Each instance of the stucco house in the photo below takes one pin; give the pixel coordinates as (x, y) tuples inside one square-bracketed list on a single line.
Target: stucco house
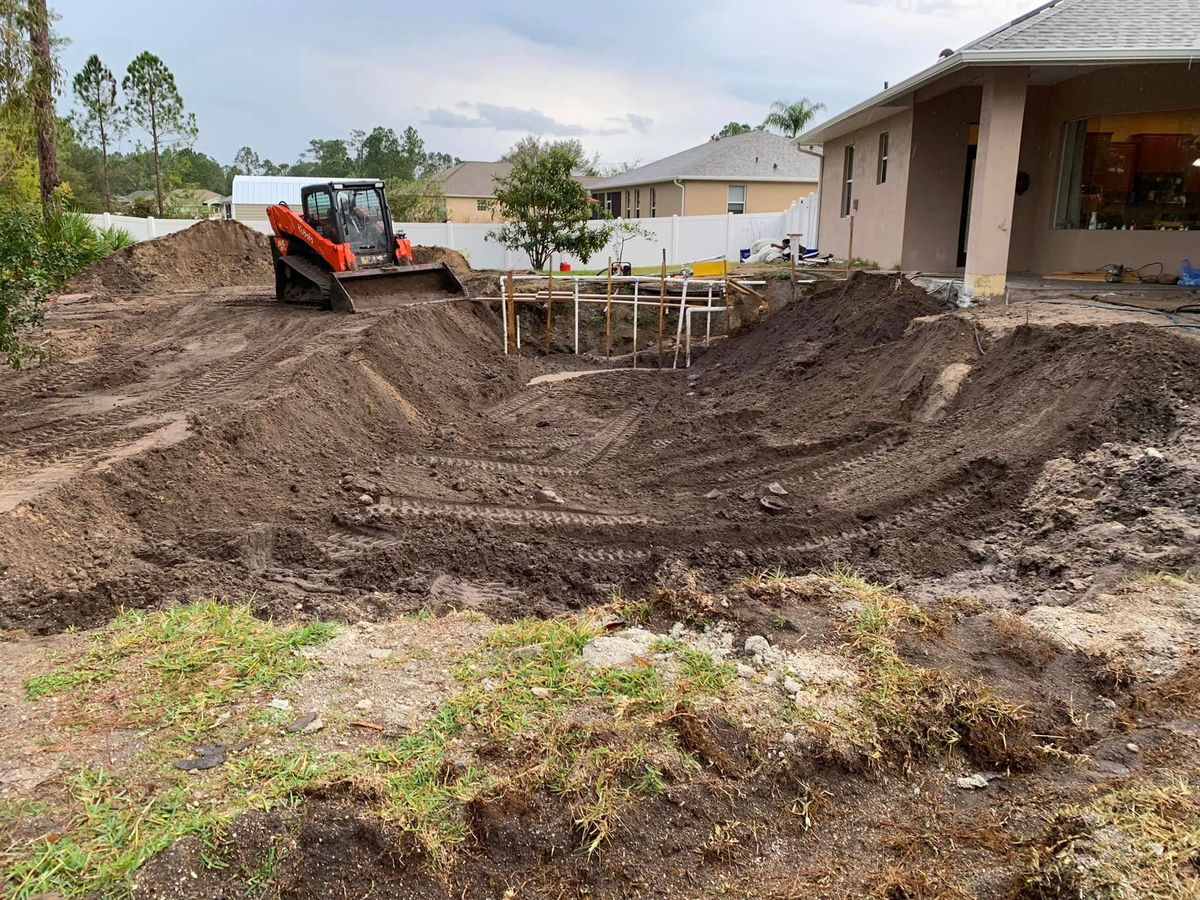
[(1063, 141), (755, 172), (470, 189)]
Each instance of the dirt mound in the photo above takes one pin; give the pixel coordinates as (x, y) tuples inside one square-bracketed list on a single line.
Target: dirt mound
[(210, 254), (452, 259)]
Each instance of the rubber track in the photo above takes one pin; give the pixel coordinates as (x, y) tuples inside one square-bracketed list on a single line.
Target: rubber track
[(509, 515)]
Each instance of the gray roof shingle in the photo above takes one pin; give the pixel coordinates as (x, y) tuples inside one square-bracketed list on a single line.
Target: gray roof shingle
[(755, 155), (1099, 25)]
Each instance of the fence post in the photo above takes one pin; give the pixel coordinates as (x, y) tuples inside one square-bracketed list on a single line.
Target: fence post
[(108, 220), (150, 227), (729, 235), (675, 260), (450, 236)]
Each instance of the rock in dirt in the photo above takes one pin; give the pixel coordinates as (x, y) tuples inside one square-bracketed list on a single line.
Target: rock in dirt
[(777, 489), (626, 650), (24, 778), (975, 782), (773, 505), (306, 724), (547, 496), (208, 756)]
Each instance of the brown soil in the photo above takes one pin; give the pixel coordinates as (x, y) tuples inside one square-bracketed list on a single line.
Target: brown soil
[(361, 467), (210, 254)]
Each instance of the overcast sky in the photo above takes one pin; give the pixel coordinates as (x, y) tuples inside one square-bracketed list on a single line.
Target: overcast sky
[(633, 80)]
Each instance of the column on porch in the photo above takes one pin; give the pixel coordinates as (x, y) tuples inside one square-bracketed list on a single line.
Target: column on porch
[(1000, 119)]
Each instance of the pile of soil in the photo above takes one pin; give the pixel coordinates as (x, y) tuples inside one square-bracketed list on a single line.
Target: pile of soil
[(452, 259), (210, 254)]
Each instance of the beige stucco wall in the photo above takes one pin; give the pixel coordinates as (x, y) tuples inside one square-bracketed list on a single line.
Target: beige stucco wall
[(465, 209), (666, 199), (929, 215), (879, 222), (711, 198)]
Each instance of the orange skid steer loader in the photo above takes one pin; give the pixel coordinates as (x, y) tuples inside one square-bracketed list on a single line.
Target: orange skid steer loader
[(340, 252)]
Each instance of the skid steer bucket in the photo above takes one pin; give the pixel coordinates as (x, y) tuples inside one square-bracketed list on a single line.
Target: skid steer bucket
[(388, 286)]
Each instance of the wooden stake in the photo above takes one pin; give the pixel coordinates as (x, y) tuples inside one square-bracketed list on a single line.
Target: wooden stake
[(792, 243), (662, 306), (549, 308), (850, 249), (512, 312), (608, 314)]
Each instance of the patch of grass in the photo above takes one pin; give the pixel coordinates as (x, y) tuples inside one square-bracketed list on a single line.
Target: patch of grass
[(175, 667), (173, 671), (539, 720), (1141, 841), (906, 711)]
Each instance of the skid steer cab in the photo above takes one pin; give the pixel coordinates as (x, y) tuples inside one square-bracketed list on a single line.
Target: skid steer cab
[(339, 250)]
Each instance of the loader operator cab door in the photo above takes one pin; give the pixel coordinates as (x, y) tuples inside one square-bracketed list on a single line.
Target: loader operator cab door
[(363, 216), (318, 212)]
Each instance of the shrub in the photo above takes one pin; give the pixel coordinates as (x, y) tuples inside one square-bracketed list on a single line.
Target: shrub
[(36, 258)]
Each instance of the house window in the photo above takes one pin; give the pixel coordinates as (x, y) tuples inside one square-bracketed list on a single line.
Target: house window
[(483, 205), (848, 181), (628, 205), (653, 203), (737, 199), (1138, 171), (883, 159), (637, 203)]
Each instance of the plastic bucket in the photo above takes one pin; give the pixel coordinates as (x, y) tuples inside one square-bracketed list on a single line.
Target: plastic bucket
[(564, 267)]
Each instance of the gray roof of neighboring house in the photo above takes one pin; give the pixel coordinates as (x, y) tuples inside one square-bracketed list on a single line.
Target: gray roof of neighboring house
[(1058, 33), (752, 156), (472, 179), (1116, 24), (478, 179)]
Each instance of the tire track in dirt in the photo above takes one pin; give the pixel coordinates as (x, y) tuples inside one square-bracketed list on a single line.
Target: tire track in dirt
[(493, 466), (920, 514), (210, 386), (604, 444), (463, 594), (400, 508), (521, 402)]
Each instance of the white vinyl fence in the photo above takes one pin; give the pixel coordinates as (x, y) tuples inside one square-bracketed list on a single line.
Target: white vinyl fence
[(685, 238)]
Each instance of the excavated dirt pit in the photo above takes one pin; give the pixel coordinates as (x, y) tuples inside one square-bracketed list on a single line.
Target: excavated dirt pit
[(1023, 474)]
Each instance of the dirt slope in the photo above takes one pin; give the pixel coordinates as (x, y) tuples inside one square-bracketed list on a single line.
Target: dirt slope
[(210, 254)]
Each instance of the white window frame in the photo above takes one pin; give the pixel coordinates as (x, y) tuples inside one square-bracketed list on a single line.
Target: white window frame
[(848, 180), (483, 205), (885, 141), (730, 203), (653, 203)]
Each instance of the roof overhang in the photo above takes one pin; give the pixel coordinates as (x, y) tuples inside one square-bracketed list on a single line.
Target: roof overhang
[(899, 97), (738, 179)]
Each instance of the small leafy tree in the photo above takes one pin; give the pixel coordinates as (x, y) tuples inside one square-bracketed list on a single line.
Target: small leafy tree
[(622, 232), (154, 103), (791, 117), (547, 209), (96, 90)]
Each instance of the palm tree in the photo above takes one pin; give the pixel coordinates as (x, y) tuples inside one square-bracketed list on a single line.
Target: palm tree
[(790, 118)]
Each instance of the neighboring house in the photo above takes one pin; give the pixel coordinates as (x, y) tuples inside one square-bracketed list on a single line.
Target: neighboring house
[(470, 190), (252, 194), (755, 172), (192, 203), (219, 207), (1064, 141)]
